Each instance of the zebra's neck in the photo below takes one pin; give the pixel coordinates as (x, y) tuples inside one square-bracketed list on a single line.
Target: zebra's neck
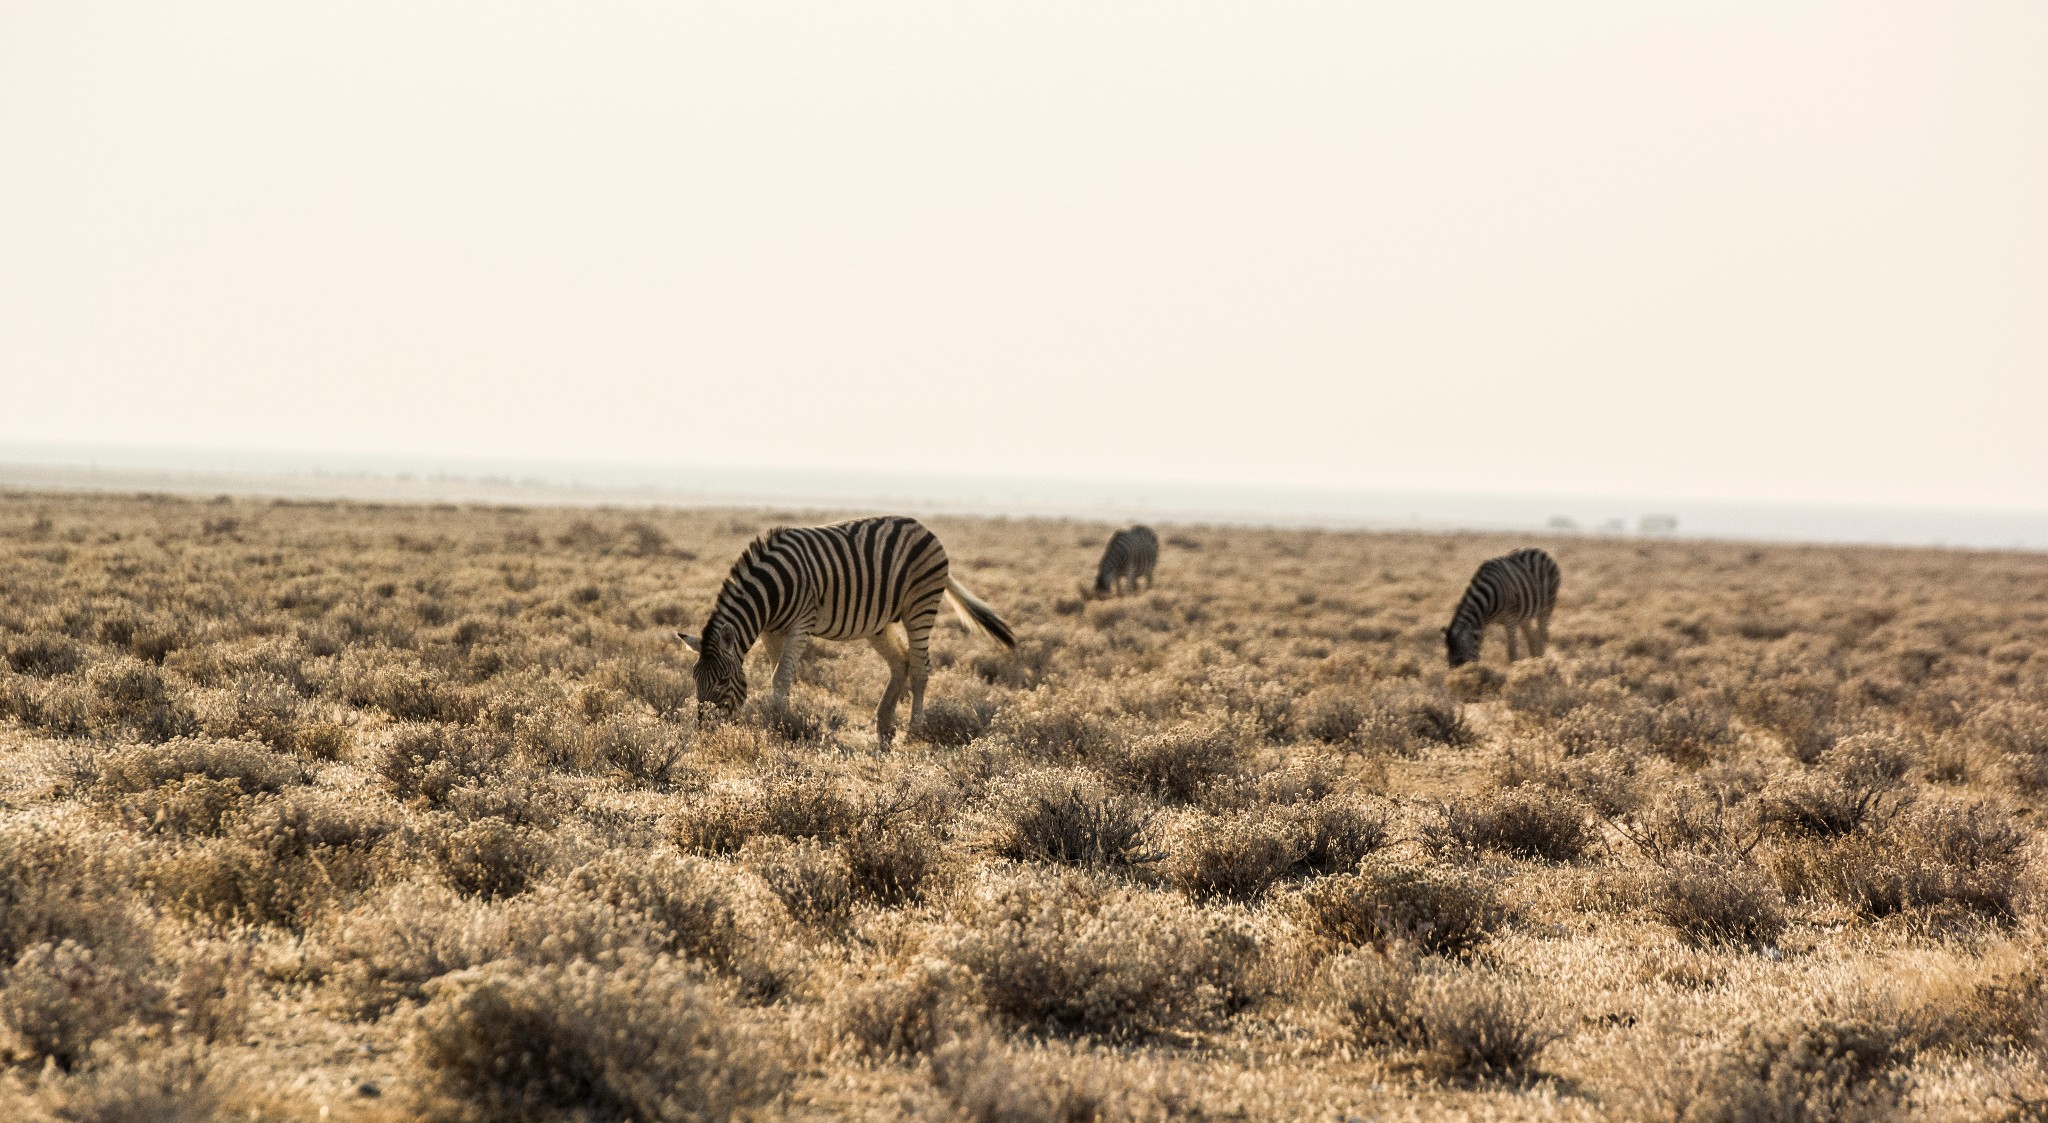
[(733, 624), (1471, 614), (746, 603)]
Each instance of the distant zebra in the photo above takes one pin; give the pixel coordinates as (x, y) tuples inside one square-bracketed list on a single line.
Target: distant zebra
[(1517, 591), (847, 581), (1132, 553)]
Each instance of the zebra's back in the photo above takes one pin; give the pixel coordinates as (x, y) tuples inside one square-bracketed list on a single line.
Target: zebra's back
[(1132, 552), (847, 580), (1514, 587)]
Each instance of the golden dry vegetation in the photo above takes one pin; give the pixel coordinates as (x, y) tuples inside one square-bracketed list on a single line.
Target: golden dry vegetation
[(374, 813)]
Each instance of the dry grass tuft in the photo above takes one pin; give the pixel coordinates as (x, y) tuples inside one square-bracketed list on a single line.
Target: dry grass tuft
[(1067, 955), (1389, 902), (642, 1040)]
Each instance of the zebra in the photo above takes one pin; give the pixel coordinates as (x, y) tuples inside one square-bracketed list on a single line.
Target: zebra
[(847, 581), (1518, 590), (1131, 554)]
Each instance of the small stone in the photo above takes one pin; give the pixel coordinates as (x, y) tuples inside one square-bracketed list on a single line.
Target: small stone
[(368, 1088)]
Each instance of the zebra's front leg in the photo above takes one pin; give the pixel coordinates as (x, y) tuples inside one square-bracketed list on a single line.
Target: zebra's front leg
[(787, 652), (1514, 632), (893, 654)]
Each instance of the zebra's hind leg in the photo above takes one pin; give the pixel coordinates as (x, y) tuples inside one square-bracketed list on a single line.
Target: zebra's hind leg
[(1542, 632), (891, 650), (917, 662), (1514, 634)]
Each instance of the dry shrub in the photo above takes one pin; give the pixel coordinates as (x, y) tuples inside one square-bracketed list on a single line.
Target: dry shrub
[(1621, 725), (981, 1081), (432, 761), (798, 722), (250, 767), (1474, 682), (42, 654), (691, 908), (228, 881), (1455, 1022), (211, 990), (642, 1040), (1691, 728), (1051, 726), (1237, 856), (1939, 856), (890, 864), (951, 724), (1828, 1071), (1067, 817), (1240, 856), (1520, 822), (2019, 731), (322, 740), (1695, 820), (59, 885), (133, 697), (810, 878), (164, 1086), (718, 823), (1411, 714), (806, 804), (1337, 833), (896, 1011), (1333, 717), (640, 750), (1857, 778), (409, 693), (385, 951), (491, 858), (1387, 902), (1821, 805), (1717, 903), (1063, 954), (1539, 688), (59, 999), (1177, 764), (1799, 708)]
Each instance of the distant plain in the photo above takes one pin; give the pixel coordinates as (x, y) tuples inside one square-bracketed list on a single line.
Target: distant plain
[(330, 809)]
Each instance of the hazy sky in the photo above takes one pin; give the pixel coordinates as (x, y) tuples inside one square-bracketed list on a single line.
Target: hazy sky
[(1739, 250)]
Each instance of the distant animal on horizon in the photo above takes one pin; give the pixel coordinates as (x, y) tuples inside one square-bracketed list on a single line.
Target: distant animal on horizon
[(1132, 553), (847, 581), (1517, 591)]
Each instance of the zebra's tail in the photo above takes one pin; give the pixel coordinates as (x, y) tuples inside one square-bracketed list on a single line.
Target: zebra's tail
[(978, 616)]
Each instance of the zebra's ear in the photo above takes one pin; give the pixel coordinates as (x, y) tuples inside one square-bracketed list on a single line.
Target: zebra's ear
[(694, 643)]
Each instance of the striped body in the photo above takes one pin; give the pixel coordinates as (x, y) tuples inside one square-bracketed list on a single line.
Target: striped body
[(1132, 553), (1517, 591), (847, 581)]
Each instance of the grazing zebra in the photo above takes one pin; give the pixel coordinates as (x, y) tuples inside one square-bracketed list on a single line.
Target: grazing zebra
[(848, 581), (1518, 591), (1131, 554)]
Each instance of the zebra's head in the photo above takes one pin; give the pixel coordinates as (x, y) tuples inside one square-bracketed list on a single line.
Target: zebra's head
[(721, 668), (1462, 644)]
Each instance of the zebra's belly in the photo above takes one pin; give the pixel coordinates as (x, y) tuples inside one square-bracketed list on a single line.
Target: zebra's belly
[(855, 622)]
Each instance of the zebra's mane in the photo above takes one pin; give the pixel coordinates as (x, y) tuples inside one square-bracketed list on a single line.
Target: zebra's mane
[(732, 592)]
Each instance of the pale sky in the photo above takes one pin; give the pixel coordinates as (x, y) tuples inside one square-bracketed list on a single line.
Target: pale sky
[(1776, 251)]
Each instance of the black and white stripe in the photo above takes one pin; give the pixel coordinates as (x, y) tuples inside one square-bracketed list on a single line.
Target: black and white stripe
[(1517, 591), (1132, 553), (847, 581)]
